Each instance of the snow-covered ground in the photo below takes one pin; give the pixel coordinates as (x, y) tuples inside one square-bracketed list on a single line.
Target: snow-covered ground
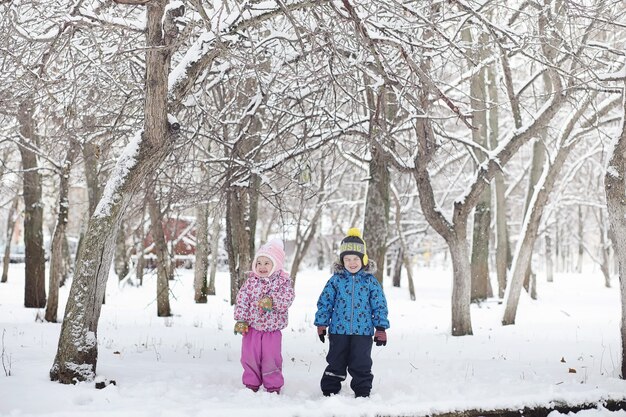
[(188, 364)]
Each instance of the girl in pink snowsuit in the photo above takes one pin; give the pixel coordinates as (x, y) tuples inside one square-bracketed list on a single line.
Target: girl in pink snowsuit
[(261, 313)]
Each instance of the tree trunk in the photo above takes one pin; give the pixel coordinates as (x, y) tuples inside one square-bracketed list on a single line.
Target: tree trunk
[(538, 163), (304, 239), (403, 247), (239, 236), (91, 154), (141, 261), (461, 287), (481, 287), (605, 248), (557, 243), (77, 353), (482, 211), (615, 189), (397, 268), (215, 240), (68, 264), (11, 220), (377, 211), (549, 258), (162, 256), (581, 246), (543, 187), (503, 247), (35, 284), (202, 254), (375, 227), (120, 261), (58, 237)]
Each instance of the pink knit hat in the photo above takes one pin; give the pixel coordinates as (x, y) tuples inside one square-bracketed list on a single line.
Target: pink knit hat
[(275, 250)]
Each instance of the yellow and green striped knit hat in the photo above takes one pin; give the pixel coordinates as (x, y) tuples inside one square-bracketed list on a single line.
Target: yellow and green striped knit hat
[(353, 244)]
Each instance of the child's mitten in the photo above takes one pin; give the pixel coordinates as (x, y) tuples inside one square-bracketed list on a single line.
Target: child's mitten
[(321, 332), (380, 336), (266, 303), (241, 327)]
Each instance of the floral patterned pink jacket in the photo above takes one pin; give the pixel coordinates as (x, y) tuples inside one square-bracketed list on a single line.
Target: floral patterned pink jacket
[(279, 287)]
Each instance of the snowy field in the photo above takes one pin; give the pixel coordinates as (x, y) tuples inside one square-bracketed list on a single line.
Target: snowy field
[(188, 364)]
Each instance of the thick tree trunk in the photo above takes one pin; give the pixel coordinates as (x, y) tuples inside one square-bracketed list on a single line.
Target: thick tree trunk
[(35, 285), (461, 287), (11, 220), (58, 237), (162, 256), (239, 237), (615, 189), (481, 287), (201, 265), (375, 228), (91, 154), (77, 354), (482, 212)]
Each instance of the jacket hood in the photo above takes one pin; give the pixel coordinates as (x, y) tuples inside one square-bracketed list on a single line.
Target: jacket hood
[(370, 268)]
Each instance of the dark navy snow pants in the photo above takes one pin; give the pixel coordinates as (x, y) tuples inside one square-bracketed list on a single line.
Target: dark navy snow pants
[(354, 353)]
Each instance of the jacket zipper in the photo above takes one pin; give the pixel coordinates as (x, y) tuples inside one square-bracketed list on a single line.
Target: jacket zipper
[(352, 309)]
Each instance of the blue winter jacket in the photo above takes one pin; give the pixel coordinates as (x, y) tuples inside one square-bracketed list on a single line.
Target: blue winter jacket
[(352, 304)]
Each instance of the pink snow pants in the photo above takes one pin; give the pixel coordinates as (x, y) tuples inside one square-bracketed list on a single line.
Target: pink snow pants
[(262, 360)]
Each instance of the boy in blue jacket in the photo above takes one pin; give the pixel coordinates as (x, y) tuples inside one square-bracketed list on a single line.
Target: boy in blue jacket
[(353, 308)]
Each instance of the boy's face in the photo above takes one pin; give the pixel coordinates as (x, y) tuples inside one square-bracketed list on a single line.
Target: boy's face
[(263, 266), (352, 263)]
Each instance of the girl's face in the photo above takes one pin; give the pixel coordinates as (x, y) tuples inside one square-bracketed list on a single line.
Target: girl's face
[(263, 266), (352, 263)]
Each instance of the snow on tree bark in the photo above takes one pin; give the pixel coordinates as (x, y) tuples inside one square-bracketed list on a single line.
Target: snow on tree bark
[(536, 206), (77, 353)]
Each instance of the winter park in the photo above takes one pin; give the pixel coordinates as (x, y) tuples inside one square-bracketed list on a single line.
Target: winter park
[(312, 208)]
